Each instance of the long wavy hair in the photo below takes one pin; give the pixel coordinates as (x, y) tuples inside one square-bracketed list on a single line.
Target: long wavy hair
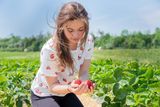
[(69, 12)]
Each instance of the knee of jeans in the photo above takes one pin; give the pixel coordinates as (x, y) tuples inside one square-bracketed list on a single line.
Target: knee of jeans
[(70, 94)]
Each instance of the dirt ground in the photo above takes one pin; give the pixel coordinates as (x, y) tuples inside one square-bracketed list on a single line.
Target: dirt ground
[(88, 101)]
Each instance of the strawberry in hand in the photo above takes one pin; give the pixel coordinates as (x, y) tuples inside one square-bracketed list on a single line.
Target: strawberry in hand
[(89, 83), (78, 81)]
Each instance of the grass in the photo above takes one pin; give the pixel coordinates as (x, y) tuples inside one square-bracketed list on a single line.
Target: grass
[(120, 55), (19, 55), (141, 55)]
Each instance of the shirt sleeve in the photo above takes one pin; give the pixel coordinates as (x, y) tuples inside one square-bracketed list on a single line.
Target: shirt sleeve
[(49, 63), (89, 48)]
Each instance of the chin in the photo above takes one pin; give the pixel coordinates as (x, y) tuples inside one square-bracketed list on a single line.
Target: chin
[(75, 41)]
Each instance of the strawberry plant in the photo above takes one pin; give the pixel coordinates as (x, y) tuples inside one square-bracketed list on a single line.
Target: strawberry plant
[(126, 84), (118, 83), (15, 82)]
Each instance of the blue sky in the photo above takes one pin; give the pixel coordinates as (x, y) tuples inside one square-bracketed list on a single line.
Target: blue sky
[(29, 17)]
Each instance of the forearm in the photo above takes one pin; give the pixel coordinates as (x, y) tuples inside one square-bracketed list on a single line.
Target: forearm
[(84, 73), (60, 89), (84, 76)]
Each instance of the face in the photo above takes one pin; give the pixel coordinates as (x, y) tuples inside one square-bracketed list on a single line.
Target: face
[(74, 31)]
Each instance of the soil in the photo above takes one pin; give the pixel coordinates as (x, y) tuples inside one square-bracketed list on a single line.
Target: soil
[(88, 101)]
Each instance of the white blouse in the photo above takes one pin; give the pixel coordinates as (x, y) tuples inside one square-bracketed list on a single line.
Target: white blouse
[(50, 66)]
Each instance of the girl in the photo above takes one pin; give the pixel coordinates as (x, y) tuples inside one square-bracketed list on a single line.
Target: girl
[(64, 58)]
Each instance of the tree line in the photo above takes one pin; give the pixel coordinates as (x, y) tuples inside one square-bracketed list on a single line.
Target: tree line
[(16, 43), (126, 40)]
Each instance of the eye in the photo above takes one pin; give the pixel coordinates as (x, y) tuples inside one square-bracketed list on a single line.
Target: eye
[(69, 30), (81, 30)]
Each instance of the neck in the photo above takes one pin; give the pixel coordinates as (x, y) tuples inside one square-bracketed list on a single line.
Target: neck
[(73, 46)]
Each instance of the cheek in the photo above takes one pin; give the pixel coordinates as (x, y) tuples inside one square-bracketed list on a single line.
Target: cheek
[(68, 35), (81, 34)]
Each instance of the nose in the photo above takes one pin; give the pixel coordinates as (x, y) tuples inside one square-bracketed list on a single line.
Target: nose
[(75, 34)]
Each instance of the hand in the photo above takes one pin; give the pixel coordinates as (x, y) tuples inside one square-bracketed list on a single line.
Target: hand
[(82, 88), (78, 89), (91, 90)]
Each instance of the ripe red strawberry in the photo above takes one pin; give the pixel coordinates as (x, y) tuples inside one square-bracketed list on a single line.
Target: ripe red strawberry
[(78, 81), (89, 83)]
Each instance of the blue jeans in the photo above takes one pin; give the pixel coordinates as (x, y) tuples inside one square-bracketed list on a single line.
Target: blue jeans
[(69, 100)]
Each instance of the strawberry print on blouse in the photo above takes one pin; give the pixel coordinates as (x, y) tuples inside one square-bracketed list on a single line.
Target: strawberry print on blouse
[(38, 91), (52, 56), (50, 66), (64, 79), (79, 57), (81, 48)]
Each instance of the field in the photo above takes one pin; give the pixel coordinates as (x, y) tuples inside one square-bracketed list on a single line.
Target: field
[(124, 77), (121, 55)]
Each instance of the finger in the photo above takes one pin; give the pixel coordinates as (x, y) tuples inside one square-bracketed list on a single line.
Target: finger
[(94, 85), (81, 87), (75, 85), (91, 90), (74, 90), (84, 89), (87, 90)]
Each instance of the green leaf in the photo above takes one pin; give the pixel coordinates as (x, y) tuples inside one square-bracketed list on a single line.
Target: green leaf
[(134, 81), (19, 102), (3, 78), (107, 99), (118, 73), (130, 100), (123, 83), (115, 88), (122, 93), (109, 78), (27, 101), (104, 104), (154, 87), (149, 74)]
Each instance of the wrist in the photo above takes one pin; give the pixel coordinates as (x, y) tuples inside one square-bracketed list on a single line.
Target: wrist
[(69, 89)]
